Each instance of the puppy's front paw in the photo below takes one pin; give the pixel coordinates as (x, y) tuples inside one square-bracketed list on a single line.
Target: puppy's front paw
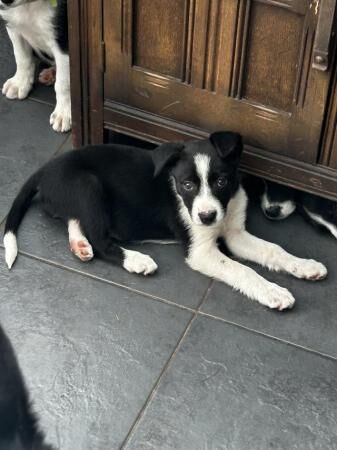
[(136, 262), (17, 87), (309, 269), (60, 118), (276, 297)]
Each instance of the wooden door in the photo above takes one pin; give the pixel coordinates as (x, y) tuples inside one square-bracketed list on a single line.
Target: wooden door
[(242, 65)]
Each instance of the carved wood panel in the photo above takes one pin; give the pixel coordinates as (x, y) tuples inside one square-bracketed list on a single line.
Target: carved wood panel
[(243, 65)]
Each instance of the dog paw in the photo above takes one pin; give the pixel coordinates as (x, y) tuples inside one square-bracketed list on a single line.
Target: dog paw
[(17, 87), (136, 262), (82, 249), (309, 269), (60, 118), (48, 76), (277, 297)]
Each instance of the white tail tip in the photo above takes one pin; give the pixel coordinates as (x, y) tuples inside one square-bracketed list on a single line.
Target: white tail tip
[(11, 248)]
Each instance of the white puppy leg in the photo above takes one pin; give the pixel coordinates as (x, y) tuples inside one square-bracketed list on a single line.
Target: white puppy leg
[(79, 244), (60, 119), (21, 83), (272, 256), (244, 245), (207, 259)]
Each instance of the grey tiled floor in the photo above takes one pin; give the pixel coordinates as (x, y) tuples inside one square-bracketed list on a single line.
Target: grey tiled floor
[(173, 361)]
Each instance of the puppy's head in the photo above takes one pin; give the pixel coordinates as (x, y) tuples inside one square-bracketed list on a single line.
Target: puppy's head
[(203, 173), (277, 201)]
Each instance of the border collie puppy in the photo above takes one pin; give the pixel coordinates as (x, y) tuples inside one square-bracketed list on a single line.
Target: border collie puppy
[(18, 425), (110, 194), (279, 202), (40, 26)]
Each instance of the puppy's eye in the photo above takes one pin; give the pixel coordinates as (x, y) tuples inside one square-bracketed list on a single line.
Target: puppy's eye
[(188, 185), (221, 182)]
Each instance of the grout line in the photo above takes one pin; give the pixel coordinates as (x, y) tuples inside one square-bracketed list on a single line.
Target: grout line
[(268, 336), (195, 311), (166, 366), (60, 148), (205, 296), (41, 101), (104, 280)]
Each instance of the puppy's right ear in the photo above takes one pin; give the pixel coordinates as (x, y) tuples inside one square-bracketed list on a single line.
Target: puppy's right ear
[(165, 155)]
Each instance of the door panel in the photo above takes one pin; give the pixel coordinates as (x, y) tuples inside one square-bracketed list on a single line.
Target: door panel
[(270, 70), (243, 65), (157, 42)]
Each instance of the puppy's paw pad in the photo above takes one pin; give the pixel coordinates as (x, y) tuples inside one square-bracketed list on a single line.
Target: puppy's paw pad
[(16, 88), (48, 76), (82, 249), (60, 119), (136, 262), (309, 269), (277, 297)]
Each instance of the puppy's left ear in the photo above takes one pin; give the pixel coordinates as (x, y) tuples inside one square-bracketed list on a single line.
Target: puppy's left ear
[(228, 145), (166, 155)]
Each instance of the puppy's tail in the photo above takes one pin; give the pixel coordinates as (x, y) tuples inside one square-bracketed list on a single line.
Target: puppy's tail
[(15, 216)]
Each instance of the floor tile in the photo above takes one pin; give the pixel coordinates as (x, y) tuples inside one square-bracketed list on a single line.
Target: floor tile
[(45, 237), (231, 389), (90, 352), (313, 322), (27, 141)]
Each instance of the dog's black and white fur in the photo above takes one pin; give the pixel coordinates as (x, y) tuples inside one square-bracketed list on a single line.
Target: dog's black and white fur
[(111, 194), (37, 25), (278, 202), (19, 428)]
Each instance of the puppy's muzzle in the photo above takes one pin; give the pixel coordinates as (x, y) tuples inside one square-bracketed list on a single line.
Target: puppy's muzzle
[(273, 212), (207, 217)]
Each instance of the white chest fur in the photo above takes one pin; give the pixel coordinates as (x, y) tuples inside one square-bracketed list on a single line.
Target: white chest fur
[(34, 21)]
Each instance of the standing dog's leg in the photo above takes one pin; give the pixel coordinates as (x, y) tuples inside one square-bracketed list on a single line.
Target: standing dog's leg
[(246, 246), (207, 259), (60, 118), (21, 83)]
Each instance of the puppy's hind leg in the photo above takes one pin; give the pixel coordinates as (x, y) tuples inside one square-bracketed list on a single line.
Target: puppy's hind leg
[(130, 260), (97, 229), (79, 244)]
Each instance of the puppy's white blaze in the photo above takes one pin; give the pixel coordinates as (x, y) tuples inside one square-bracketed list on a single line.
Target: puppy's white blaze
[(205, 200), (11, 248)]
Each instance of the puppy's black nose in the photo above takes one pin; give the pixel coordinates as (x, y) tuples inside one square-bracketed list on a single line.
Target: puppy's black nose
[(273, 211), (7, 2), (207, 217)]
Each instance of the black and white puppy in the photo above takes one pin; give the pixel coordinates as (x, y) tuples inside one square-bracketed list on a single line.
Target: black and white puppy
[(19, 428), (279, 202), (38, 25), (111, 194)]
